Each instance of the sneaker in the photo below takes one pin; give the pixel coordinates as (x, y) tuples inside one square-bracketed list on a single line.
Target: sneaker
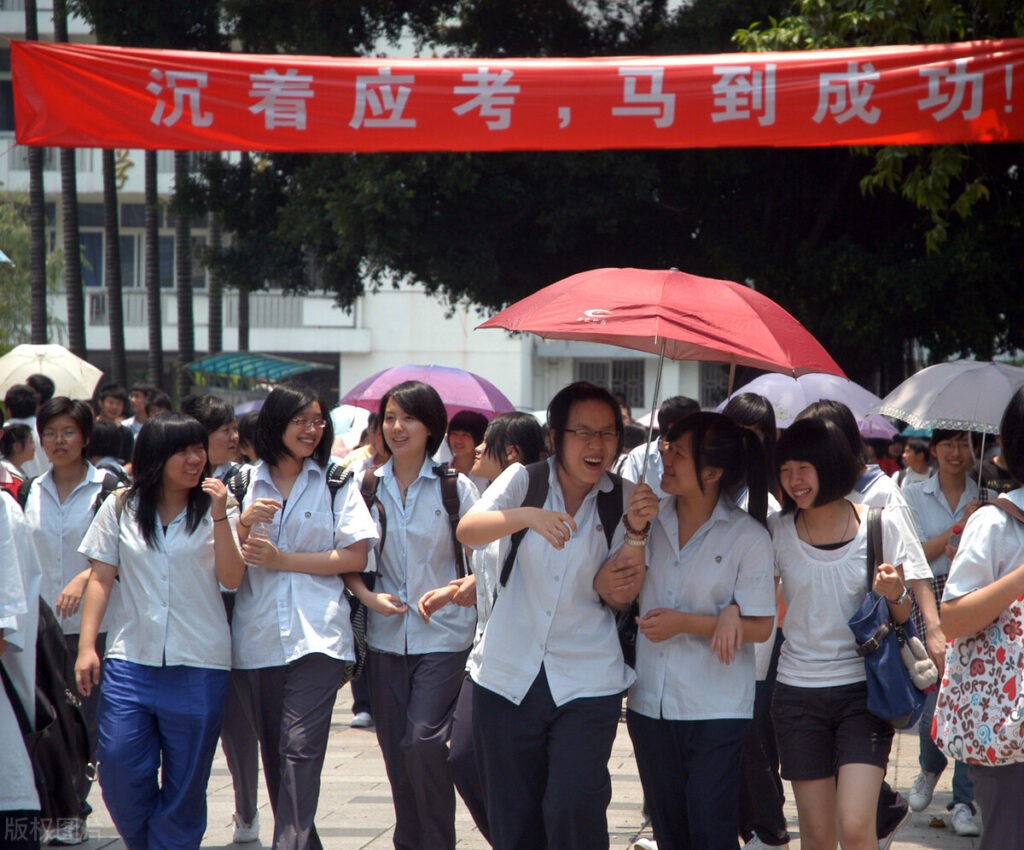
[(961, 820), (756, 843), (363, 720), (922, 790), (69, 831), (246, 833), (645, 844), (883, 843)]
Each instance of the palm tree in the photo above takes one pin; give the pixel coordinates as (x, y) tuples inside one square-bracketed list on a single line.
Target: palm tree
[(153, 293), (183, 276), (37, 211), (69, 219), (112, 270)]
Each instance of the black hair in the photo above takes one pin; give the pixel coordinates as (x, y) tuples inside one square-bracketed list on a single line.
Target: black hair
[(941, 434), (879, 445), (162, 436), (755, 411), (12, 435), (633, 436), (61, 405), (114, 390), (247, 429), (422, 401), (842, 417), (21, 402), (822, 444), (471, 422), (372, 421), (211, 411), (675, 408), (521, 430), (158, 399), (144, 387), (1011, 435), (720, 442), (565, 398), (105, 440), (283, 404), (918, 445), (43, 385)]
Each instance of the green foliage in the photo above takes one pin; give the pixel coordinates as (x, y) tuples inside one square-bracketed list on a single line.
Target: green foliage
[(184, 24)]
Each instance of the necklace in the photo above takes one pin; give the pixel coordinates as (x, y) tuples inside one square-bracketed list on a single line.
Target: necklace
[(842, 537)]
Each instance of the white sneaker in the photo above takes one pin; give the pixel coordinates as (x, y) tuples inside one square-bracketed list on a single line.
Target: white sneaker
[(69, 831), (756, 843), (645, 844), (246, 833), (962, 822), (363, 720), (922, 790)]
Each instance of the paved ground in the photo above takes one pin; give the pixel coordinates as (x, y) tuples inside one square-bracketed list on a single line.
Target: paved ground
[(355, 802)]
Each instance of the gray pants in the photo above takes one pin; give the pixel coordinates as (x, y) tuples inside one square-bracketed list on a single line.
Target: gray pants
[(238, 738), (999, 792), (413, 698), (292, 708)]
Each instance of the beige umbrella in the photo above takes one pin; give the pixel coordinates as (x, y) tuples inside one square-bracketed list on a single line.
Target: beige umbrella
[(72, 376)]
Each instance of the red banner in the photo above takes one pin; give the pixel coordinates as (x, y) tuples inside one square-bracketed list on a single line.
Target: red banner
[(70, 95)]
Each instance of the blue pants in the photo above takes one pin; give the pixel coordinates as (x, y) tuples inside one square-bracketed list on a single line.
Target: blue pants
[(934, 760), (158, 729), (690, 773)]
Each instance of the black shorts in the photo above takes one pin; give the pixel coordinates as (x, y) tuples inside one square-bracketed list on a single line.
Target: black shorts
[(821, 729)]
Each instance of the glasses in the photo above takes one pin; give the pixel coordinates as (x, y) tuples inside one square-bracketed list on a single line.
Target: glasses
[(67, 434), (586, 434), (304, 424)]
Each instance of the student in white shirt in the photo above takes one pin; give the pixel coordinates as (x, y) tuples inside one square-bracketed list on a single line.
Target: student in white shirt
[(833, 750), (548, 671), (690, 708), (290, 632), (416, 663), (169, 540), (671, 411), (916, 463)]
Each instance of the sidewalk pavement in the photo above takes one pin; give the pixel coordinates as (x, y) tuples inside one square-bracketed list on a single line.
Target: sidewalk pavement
[(355, 808)]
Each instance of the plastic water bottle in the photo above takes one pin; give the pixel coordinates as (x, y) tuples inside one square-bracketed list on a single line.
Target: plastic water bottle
[(954, 538), (260, 531)]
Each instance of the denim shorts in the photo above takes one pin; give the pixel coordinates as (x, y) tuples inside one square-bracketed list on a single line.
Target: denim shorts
[(821, 729)]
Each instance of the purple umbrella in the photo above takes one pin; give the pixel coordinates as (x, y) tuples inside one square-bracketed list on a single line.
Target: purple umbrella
[(459, 389)]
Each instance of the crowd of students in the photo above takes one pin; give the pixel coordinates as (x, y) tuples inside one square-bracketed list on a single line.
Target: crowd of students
[(514, 595)]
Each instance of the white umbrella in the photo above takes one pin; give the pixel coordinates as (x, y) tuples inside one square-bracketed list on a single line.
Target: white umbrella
[(788, 396), (964, 395), (72, 376)]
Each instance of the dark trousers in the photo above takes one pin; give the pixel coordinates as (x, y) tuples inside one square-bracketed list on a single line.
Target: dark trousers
[(689, 770), (761, 796), (462, 760), (361, 694), (20, 829), (90, 704), (1000, 791), (545, 767), (413, 700), (238, 738), (291, 708)]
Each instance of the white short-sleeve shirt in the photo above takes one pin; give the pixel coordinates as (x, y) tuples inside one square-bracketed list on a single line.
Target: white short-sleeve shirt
[(728, 559), (882, 492), (280, 616), (932, 514), (171, 611), (823, 588), (635, 462), (991, 546), (549, 612), (57, 531), (419, 555)]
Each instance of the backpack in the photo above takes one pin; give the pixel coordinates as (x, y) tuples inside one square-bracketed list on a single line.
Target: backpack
[(58, 745), (609, 512), (111, 482)]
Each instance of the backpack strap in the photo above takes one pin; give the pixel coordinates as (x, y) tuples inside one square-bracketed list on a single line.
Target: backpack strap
[(875, 554), (337, 477), (1009, 507), (111, 481), (23, 489), (609, 507), (536, 494), (238, 484), (449, 480), (368, 490)]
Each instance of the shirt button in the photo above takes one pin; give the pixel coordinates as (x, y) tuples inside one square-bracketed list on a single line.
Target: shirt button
[(437, 513), (548, 613), (557, 578), (308, 514)]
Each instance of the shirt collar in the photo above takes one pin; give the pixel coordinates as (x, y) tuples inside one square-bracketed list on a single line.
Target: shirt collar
[(388, 468)]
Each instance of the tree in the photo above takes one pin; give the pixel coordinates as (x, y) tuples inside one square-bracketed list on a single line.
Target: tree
[(112, 270), (183, 278), (38, 210), (154, 296)]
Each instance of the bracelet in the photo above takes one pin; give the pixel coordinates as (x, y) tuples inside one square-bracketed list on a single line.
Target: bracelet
[(242, 523), (637, 541), (636, 532), (220, 519), (903, 597)]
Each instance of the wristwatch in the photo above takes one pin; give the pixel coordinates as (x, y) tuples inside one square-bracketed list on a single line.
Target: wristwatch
[(903, 597)]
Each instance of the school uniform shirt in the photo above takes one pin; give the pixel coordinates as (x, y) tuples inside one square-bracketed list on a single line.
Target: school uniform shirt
[(907, 476), (635, 462), (932, 514), (992, 545), (823, 588), (57, 531), (728, 559), (281, 616), (171, 612), (418, 555), (549, 612), (878, 490)]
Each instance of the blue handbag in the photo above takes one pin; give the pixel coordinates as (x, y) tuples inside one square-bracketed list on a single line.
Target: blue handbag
[(891, 693)]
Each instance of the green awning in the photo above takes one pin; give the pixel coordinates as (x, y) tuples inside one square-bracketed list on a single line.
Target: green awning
[(258, 367)]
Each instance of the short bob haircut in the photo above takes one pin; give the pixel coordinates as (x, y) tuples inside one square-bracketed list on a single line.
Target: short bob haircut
[(421, 401), (824, 446), (842, 417), (721, 443), (105, 440), (161, 437), (561, 405), (211, 411), (1011, 435), (470, 422), (515, 429), (283, 404), (61, 405)]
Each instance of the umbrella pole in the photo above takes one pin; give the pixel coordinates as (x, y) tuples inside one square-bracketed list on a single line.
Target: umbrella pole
[(654, 409), (981, 460)]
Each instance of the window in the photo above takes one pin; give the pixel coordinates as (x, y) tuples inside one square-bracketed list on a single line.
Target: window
[(19, 161), (714, 384), (128, 262), (92, 258), (624, 376)]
